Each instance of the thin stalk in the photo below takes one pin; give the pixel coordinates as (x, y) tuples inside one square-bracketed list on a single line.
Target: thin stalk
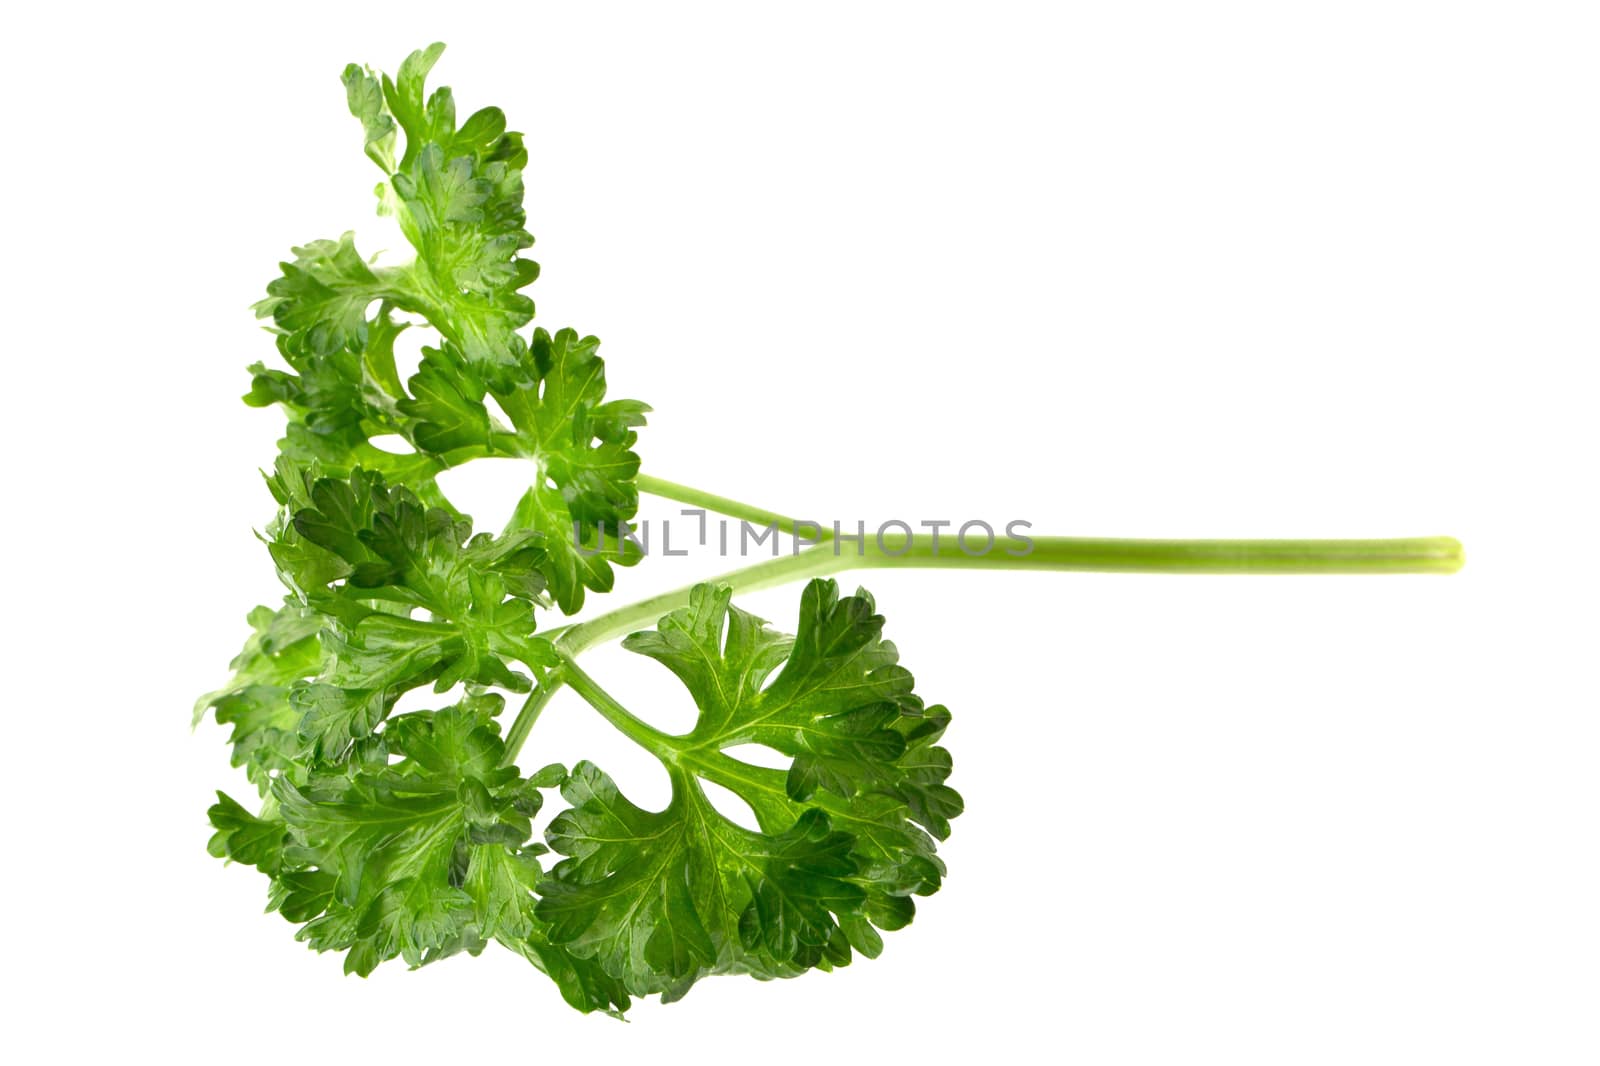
[(671, 490), (766, 574), (635, 729), (1410, 555), (1414, 555), (528, 713)]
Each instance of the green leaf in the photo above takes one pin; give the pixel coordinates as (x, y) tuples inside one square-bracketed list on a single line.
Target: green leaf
[(582, 449), (364, 95), (842, 707), (457, 194), (396, 842), (242, 837), (320, 302), (456, 191), (408, 597), (282, 650), (846, 835), (661, 899), (578, 445), (340, 395), (447, 411)]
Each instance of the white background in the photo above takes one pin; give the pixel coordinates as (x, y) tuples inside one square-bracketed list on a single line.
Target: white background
[(1120, 269)]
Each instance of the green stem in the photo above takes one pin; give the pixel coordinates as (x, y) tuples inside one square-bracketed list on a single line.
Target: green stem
[(1416, 555), (766, 574), (528, 713), (635, 729), (1412, 555), (671, 490)]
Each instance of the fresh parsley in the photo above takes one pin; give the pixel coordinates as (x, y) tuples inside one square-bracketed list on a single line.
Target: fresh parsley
[(410, 835)]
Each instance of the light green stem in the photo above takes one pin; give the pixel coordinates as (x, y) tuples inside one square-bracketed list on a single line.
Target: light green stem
[(1416, 555), (671, 490), (1410, 555), (634, 728), (528, 714)]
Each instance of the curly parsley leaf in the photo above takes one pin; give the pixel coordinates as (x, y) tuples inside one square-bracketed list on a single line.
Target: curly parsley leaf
[(582, 446), (409, 597), (846, 835), (419, 855), (456, 191), (457, 195), (578, 444), (283, 650)]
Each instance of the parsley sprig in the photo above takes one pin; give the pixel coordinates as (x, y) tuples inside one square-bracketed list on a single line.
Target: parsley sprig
[(410, 835)]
